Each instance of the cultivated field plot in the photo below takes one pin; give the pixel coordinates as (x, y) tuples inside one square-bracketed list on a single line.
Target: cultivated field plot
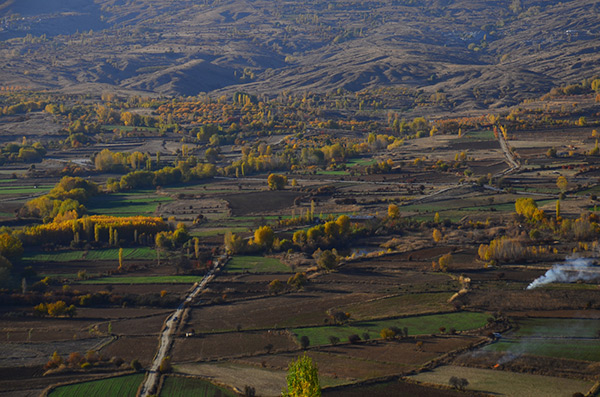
[(139, 203), (504, 383), (398, 305), (390, 389), (255, 264), (266, 381), (232, 344), (575, 339), (289, 310), (125, 386), (38, 353), (587, 350), (178, 386), (144, 280), (130, 348), (417, 325), (107, 254)]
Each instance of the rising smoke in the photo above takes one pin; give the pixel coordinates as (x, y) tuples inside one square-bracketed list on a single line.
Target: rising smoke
[(573, 269)]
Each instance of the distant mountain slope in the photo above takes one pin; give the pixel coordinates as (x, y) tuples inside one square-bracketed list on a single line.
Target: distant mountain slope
[(477, 53)]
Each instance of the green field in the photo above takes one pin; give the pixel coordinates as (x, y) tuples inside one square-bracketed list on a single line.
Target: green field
[(321, 172), (256, 264), (144, 280), (587, 350), (555, 327), (16, 190), (121, 386), (143, 202), (552, 337), (141, 253), (190, 387), (417, 325), (486, 135), (504, 383)]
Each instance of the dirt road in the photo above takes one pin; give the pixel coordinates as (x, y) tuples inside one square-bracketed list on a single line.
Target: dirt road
[(166, 337)]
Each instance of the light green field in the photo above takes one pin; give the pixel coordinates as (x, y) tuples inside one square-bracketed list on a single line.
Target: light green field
[(144, 280), (256, 264), (141, 253), (417, 325), (586, 350), (16, 190), (553, 337), (486, 135), (189, 387), (121, 386), (503, 383)]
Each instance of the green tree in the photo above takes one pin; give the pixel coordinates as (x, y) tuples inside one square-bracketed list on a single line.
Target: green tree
[(264, 237), (393, 211), (562, 184), (10, 247), (302, 379), (277, 181), (327, 260)]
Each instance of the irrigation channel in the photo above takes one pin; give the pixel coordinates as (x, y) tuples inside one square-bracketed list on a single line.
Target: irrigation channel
[(171, 324)]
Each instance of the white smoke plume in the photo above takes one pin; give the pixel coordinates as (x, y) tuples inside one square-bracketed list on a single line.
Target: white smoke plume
[(573, 269)]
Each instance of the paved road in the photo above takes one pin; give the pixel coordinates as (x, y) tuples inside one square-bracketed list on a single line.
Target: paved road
[(166, 337)]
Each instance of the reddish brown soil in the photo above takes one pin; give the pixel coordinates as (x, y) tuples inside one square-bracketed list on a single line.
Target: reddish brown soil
[(530, 364), (128, 348), (45, 329), (403, 352), (301, 308), (144, 326), (533, 300)]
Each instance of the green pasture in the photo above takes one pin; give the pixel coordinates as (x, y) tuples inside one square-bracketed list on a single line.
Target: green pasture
[(256, 264), (127, 204), (139, 253), (191, 387), (485, 135), (144, 280), (557, 327), (118, 386), (576, 349), (553, 337), (417, 325), (16, 190)]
